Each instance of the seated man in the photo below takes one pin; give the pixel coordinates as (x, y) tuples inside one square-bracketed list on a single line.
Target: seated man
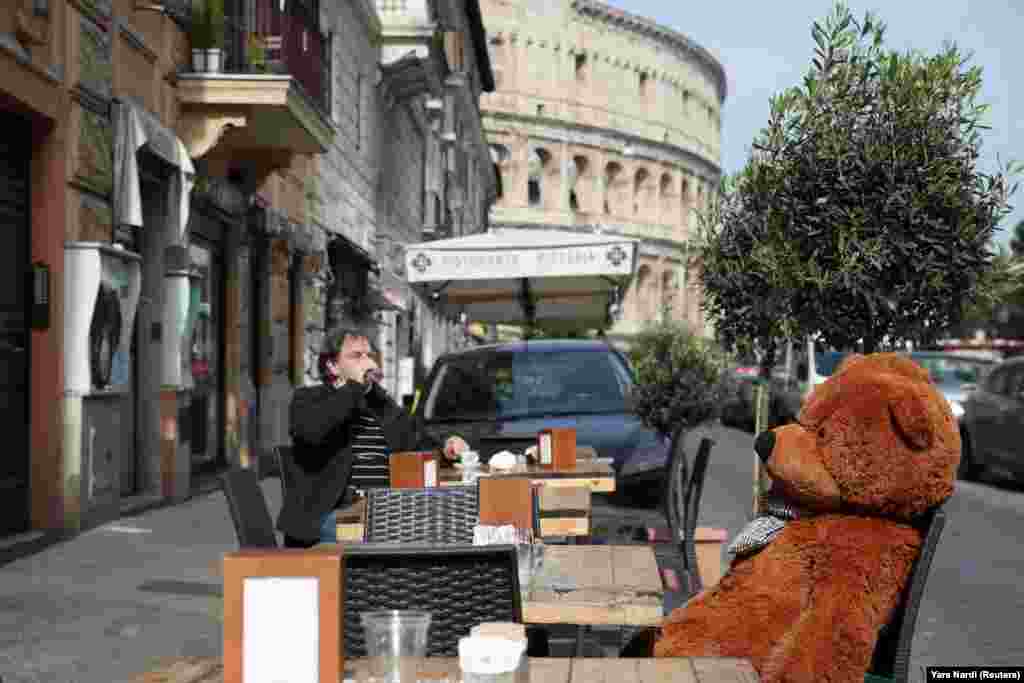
[(342, 434)]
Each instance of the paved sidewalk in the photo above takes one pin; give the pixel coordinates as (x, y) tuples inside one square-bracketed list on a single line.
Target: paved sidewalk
[(80, 611)]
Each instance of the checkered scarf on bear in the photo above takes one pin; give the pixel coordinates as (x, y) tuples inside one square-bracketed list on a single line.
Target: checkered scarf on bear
[(763, 529)]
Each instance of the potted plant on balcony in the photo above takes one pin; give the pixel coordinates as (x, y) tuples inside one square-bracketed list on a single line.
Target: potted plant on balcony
[(208, 25), (200, 35), (216, 23)]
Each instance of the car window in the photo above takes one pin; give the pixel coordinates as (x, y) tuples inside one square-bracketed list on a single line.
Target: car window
[(513, 384)]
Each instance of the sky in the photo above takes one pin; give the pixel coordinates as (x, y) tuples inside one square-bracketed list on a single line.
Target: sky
[(766, 47)]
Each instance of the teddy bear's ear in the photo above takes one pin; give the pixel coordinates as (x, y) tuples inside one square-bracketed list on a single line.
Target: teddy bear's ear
[(911, 420)]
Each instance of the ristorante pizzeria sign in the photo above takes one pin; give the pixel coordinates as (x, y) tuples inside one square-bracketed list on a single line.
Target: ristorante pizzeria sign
[(605, 259)]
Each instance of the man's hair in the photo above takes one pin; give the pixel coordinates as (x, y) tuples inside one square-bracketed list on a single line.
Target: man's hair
[(333, 341)]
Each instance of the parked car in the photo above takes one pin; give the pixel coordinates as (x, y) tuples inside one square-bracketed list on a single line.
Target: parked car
[(992, 426), (499, 396)]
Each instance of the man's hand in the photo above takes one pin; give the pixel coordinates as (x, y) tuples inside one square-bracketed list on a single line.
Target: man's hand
[(453, 448)]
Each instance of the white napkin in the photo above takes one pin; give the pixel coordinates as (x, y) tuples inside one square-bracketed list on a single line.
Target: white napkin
[(485, 534), (502, 461), (489, 654)]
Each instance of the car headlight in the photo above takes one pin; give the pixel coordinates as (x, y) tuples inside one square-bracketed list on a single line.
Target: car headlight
[(958, 409)]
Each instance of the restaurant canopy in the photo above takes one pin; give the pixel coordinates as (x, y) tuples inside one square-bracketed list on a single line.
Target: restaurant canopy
[(522, 275)]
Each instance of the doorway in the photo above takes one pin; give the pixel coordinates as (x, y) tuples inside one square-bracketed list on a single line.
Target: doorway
[(203, 425), (15, 341)]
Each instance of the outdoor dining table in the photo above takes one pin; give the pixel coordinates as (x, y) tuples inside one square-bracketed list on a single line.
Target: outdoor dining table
[(541, 670), (589, 471), (596, 585)]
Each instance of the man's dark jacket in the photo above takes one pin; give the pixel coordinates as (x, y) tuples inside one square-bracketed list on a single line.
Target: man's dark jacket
[(321, 427)]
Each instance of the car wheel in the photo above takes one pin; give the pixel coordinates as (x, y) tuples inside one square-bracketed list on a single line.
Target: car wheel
[(968, 469)]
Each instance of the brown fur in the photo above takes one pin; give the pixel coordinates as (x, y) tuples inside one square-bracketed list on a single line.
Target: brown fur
[(875, 445)]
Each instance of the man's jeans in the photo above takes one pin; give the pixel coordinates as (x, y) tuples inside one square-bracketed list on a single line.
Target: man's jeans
[(329, 527)]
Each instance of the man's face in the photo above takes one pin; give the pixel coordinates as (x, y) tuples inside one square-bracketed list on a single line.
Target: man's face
[(355, 358)]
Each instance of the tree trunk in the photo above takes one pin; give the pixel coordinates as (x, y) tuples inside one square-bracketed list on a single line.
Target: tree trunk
[(762, 406)]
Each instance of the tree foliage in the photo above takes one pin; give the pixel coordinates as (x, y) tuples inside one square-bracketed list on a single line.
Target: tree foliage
[(681, 378), (1017, 240), (861, 214)]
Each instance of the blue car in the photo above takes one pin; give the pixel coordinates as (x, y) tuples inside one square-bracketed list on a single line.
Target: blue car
[(499, 396)]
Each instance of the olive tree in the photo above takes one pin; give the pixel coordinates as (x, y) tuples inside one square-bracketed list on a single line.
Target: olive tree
[(861, 208)]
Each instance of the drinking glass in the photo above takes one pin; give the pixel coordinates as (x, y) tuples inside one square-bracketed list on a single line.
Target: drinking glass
[(395, 639)]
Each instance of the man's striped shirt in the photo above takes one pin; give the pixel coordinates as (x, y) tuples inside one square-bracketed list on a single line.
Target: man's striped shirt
[(370, 453)]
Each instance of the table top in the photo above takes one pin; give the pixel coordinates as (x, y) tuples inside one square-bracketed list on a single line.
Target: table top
[(541, 670), (614, 585)]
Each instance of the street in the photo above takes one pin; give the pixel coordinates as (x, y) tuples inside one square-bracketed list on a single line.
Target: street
[(114, 600)]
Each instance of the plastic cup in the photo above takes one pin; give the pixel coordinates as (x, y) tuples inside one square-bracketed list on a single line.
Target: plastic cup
[(395, 641)]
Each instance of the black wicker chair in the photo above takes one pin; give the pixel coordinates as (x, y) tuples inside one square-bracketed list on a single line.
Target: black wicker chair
[(426, 515), (678, 566), (248, 508), (684, 489), (460, 585), (891, 660)]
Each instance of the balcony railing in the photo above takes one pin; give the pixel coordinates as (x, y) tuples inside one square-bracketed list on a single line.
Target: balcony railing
[(278, 37)]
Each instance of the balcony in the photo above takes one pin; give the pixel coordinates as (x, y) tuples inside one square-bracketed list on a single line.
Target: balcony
[(268, 93)]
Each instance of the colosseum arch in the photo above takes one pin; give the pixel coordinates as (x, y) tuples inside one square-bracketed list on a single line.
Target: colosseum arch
[(536, 186), (666, 200), (579, 184), (685, 187), (613, 181), (669, 300), (644, 203)]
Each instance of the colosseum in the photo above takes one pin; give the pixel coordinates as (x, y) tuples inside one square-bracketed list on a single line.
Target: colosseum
[(605, 121)]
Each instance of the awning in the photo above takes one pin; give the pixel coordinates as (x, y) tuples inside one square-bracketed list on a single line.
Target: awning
[(516, 276), (133, 128)]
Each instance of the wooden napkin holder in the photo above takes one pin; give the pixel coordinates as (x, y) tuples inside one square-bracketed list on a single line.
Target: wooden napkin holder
[(413, 470), (505, 500), (556, 448), (265, 588)]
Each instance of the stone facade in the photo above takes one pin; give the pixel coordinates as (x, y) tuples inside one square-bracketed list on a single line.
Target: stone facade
[(409, 162), (603, 120)]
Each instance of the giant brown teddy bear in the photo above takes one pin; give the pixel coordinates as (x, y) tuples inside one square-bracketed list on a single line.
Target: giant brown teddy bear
[(874, 446)]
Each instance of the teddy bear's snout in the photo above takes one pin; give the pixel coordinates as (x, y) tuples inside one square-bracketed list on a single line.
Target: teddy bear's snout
[(764, 444)]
